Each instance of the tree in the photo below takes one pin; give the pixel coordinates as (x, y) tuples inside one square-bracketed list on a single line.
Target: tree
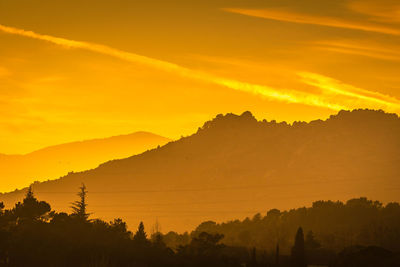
[(156, 229), (206, 242), (31, 209), (311, 242), (253, 257), (140, 237), (277, 255), (158, 241), (79, 206), (29, 194), (298, 256)]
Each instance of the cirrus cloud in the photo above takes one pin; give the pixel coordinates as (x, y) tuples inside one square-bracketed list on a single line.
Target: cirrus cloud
[(302, 18), (354, 97)]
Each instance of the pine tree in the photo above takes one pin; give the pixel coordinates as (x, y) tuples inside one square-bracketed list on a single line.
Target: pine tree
[(31, 209), (298, 256), (79, 206), (140, 237), (29, 194)]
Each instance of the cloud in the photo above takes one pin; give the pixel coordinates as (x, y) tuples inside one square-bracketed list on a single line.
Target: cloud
[(282, 95), (166, 66), (383, 11), (295, 17), (347, 47), (354, 95), (288, 96)]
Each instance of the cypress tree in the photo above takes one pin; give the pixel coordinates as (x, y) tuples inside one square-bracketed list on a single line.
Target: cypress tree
[(298, 256)]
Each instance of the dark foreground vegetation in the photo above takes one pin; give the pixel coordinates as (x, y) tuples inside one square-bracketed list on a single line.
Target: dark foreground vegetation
[(31, 234)]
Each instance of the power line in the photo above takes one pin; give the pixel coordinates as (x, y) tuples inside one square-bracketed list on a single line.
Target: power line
[(196, 189)]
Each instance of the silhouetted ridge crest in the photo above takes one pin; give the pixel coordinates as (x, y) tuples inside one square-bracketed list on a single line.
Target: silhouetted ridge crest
[(363, 116), (235, 162), (357, 117), (230, 120)]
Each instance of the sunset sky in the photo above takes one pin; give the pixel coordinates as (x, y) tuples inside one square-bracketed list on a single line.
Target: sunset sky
[(73, 70)]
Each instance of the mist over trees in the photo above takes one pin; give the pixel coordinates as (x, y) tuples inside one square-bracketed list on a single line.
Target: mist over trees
[(32, 234), (327, 224)]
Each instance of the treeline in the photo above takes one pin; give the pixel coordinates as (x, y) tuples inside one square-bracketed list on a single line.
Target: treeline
[(32, 234), (327, 224)]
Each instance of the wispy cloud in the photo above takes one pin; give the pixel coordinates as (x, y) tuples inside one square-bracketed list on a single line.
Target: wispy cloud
[(356, 96), (166, 66), (288, 96), (347, 47), (383, 11), (295, 17)]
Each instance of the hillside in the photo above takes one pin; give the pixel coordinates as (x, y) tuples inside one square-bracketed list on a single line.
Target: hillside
[(55, 161), (235, 166)]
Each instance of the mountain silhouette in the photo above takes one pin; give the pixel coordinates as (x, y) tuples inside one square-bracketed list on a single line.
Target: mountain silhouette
[(235, 166), (55, 161)]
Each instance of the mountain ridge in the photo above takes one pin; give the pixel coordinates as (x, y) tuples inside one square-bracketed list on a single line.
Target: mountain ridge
[(235, 166), (87, 141), (58, 160)]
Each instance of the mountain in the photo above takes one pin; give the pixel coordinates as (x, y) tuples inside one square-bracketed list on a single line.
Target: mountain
[(235, 166), (55, 161)]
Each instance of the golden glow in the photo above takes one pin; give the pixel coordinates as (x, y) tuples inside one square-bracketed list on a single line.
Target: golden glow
[(288, 96), (265, 91), (363, 97), (191, 61)]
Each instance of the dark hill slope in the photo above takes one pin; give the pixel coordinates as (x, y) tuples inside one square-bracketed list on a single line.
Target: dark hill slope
[(235, 166)]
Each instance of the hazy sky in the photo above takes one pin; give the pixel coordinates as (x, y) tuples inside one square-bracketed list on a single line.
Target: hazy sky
[(73, 70)]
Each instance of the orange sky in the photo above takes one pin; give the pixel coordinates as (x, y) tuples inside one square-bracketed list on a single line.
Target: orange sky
[(73, 70)]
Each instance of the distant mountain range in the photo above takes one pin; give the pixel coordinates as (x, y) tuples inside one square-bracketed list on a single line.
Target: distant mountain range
[(18, 171), (235, 166)]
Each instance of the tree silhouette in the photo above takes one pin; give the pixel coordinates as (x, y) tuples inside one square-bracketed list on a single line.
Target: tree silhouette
[(29, 193), (253, 258), (311, 242), (79, 206), (140, 236), (277, 255), (206, 242), (158, 241), (31, 209), (298, 256), (28, 238)]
